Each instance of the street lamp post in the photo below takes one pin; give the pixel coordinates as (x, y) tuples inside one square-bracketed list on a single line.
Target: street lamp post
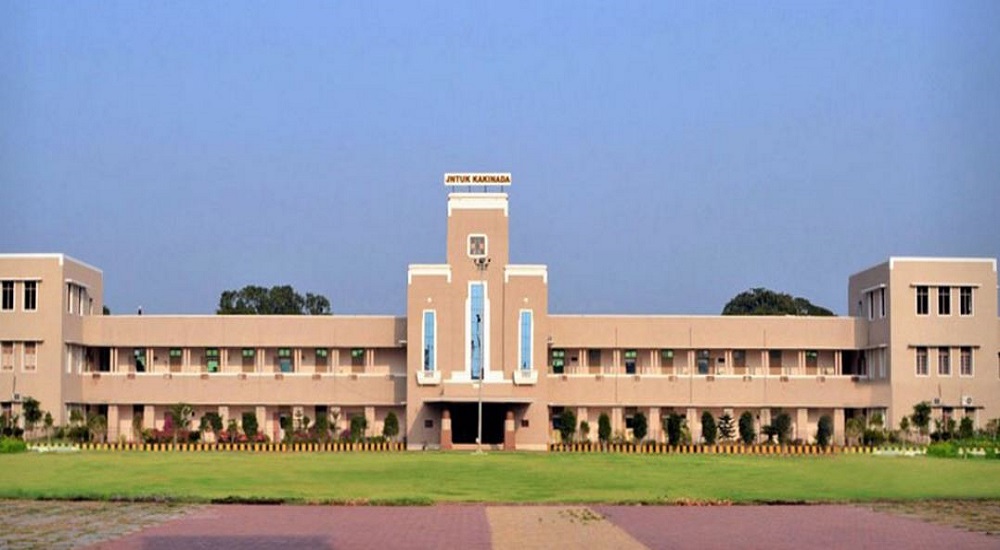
[(481, 264)]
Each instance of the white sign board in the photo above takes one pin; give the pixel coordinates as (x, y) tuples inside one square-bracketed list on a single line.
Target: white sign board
[(477, 178)]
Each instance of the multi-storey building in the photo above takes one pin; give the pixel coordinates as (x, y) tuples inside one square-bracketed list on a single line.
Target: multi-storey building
[(921, 329)]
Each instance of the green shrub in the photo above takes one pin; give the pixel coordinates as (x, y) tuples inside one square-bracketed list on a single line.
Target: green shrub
[(358, 426), (567, 425), (674, 426), (782, 425), (604, 428), (874, 437), (11, 445), (390, 428), (824, 431), (639, 427), (250, 424), (965, 428), (747, 432), (726, 430), (945, 449), (709, 430)]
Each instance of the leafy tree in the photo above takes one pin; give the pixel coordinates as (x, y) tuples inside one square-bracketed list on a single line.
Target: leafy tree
[(639, 427), (32, 414), (567, 425), (277, 300), (322, 426), (232, 430), (584, 430), (390, 428), (904, 428), (709, 431), (761, 301), (854, 428), (726, 429), (674, 426), (921, 417), (358, 426), (782, 425), (98, 426), (965, 428), (211, 422), (106, 310), (249, 422), (49, 422), (747, 432), (180, 415), (603, 428), (824, 430)]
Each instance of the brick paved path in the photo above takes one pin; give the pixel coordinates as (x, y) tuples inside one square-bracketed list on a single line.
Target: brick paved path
[(525, 527)]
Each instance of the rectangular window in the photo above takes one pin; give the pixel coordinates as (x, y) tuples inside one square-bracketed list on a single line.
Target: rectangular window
[(965, 367), (430, 336), (176, 359), (69, 298), (30, 356), (944, 362), (558, 361), (30, 295), (248, 358), (8, 295), (774, 358), (477, 333), (944, 300), (594, 357), (526, 339), (630, 359), (285, 363), (322, 360), (922, 361), (739, 358), (965, 300), (702, 363), (812, 358), (212, 359), (666, 358), (881, 303), (139, 354), (7, 356), (358, 357), (871, 304), (923, 302)]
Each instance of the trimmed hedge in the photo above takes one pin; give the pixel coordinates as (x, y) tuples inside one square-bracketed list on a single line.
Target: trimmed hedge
[(11, 445)]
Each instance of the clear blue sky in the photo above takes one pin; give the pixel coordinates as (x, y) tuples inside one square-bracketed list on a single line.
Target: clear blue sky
[(665, 155)]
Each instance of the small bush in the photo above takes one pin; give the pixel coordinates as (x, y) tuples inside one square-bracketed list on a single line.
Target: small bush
[(674, 426), (824, 430), (604, 428), (944, 449), (873, 437), (11, 445), (250, 424), (567, 425), (747, 433), (709, 431), (640, 427), (390, 428), (358, 426), (965, 429)]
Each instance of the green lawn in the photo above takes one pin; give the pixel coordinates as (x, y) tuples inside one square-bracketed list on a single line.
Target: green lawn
[(496, 477)]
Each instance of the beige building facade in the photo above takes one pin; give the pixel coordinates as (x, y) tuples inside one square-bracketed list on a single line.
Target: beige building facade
[(478, 330)]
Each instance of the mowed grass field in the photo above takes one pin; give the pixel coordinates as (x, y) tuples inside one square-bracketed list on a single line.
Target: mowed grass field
[(417, 478)]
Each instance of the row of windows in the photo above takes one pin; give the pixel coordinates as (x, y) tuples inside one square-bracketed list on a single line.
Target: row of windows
[(944, 294), (28, 353), (29, 291), (285, 359), (944, 361), (702, 359)]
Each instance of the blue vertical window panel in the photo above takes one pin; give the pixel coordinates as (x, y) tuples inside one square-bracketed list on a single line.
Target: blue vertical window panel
[(477, 320), (429, 341), (526, 336)]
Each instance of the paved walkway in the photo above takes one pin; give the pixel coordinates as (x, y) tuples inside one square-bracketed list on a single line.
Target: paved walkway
[(525, 527)]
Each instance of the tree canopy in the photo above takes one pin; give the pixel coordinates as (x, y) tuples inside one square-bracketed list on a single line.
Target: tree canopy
[(762, 301), (277, 300)]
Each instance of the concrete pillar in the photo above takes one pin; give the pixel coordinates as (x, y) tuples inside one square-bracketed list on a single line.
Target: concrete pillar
[(802, 425), (262, 421), (114, 427), (655, 424), (765, 362), (370, 421), (224, 415), (617, 421), (838, 426), (149, 417), (509, 435), (765, 420), (838, 362), (446, 429), (694, 425)]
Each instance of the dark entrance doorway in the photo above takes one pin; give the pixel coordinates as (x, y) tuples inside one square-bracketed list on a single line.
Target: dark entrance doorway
[(464, 422)]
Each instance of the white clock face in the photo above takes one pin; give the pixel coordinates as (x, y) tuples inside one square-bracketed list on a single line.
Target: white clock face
[(477, 246)]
